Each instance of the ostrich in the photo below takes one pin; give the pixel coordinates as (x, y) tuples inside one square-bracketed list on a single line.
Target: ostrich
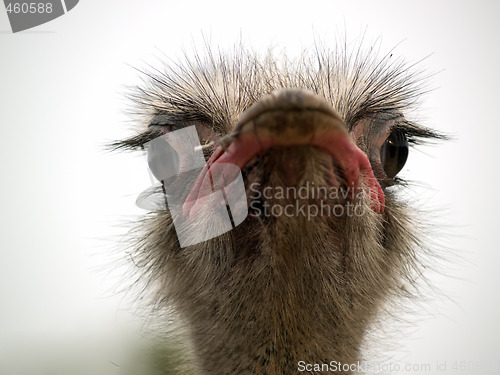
[(296, 285)]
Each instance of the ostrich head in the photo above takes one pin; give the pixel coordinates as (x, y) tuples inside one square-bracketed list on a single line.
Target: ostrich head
[(324, 240)]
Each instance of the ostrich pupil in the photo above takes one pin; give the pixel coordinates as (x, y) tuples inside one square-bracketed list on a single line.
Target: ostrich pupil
[(394, 153)]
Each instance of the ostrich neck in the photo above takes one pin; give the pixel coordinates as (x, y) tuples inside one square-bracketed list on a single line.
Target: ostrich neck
[(287, 304)]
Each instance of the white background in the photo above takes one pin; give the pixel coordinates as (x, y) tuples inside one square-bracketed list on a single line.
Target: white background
[(62, 196)]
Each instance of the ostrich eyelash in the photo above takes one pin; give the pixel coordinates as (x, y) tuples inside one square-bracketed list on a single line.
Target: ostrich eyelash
[(418, 135)]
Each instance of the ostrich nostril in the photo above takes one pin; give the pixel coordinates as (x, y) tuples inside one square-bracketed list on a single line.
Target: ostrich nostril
[(289, 100)]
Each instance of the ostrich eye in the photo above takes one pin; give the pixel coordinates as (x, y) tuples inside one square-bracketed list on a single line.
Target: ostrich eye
[(394, 153)]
